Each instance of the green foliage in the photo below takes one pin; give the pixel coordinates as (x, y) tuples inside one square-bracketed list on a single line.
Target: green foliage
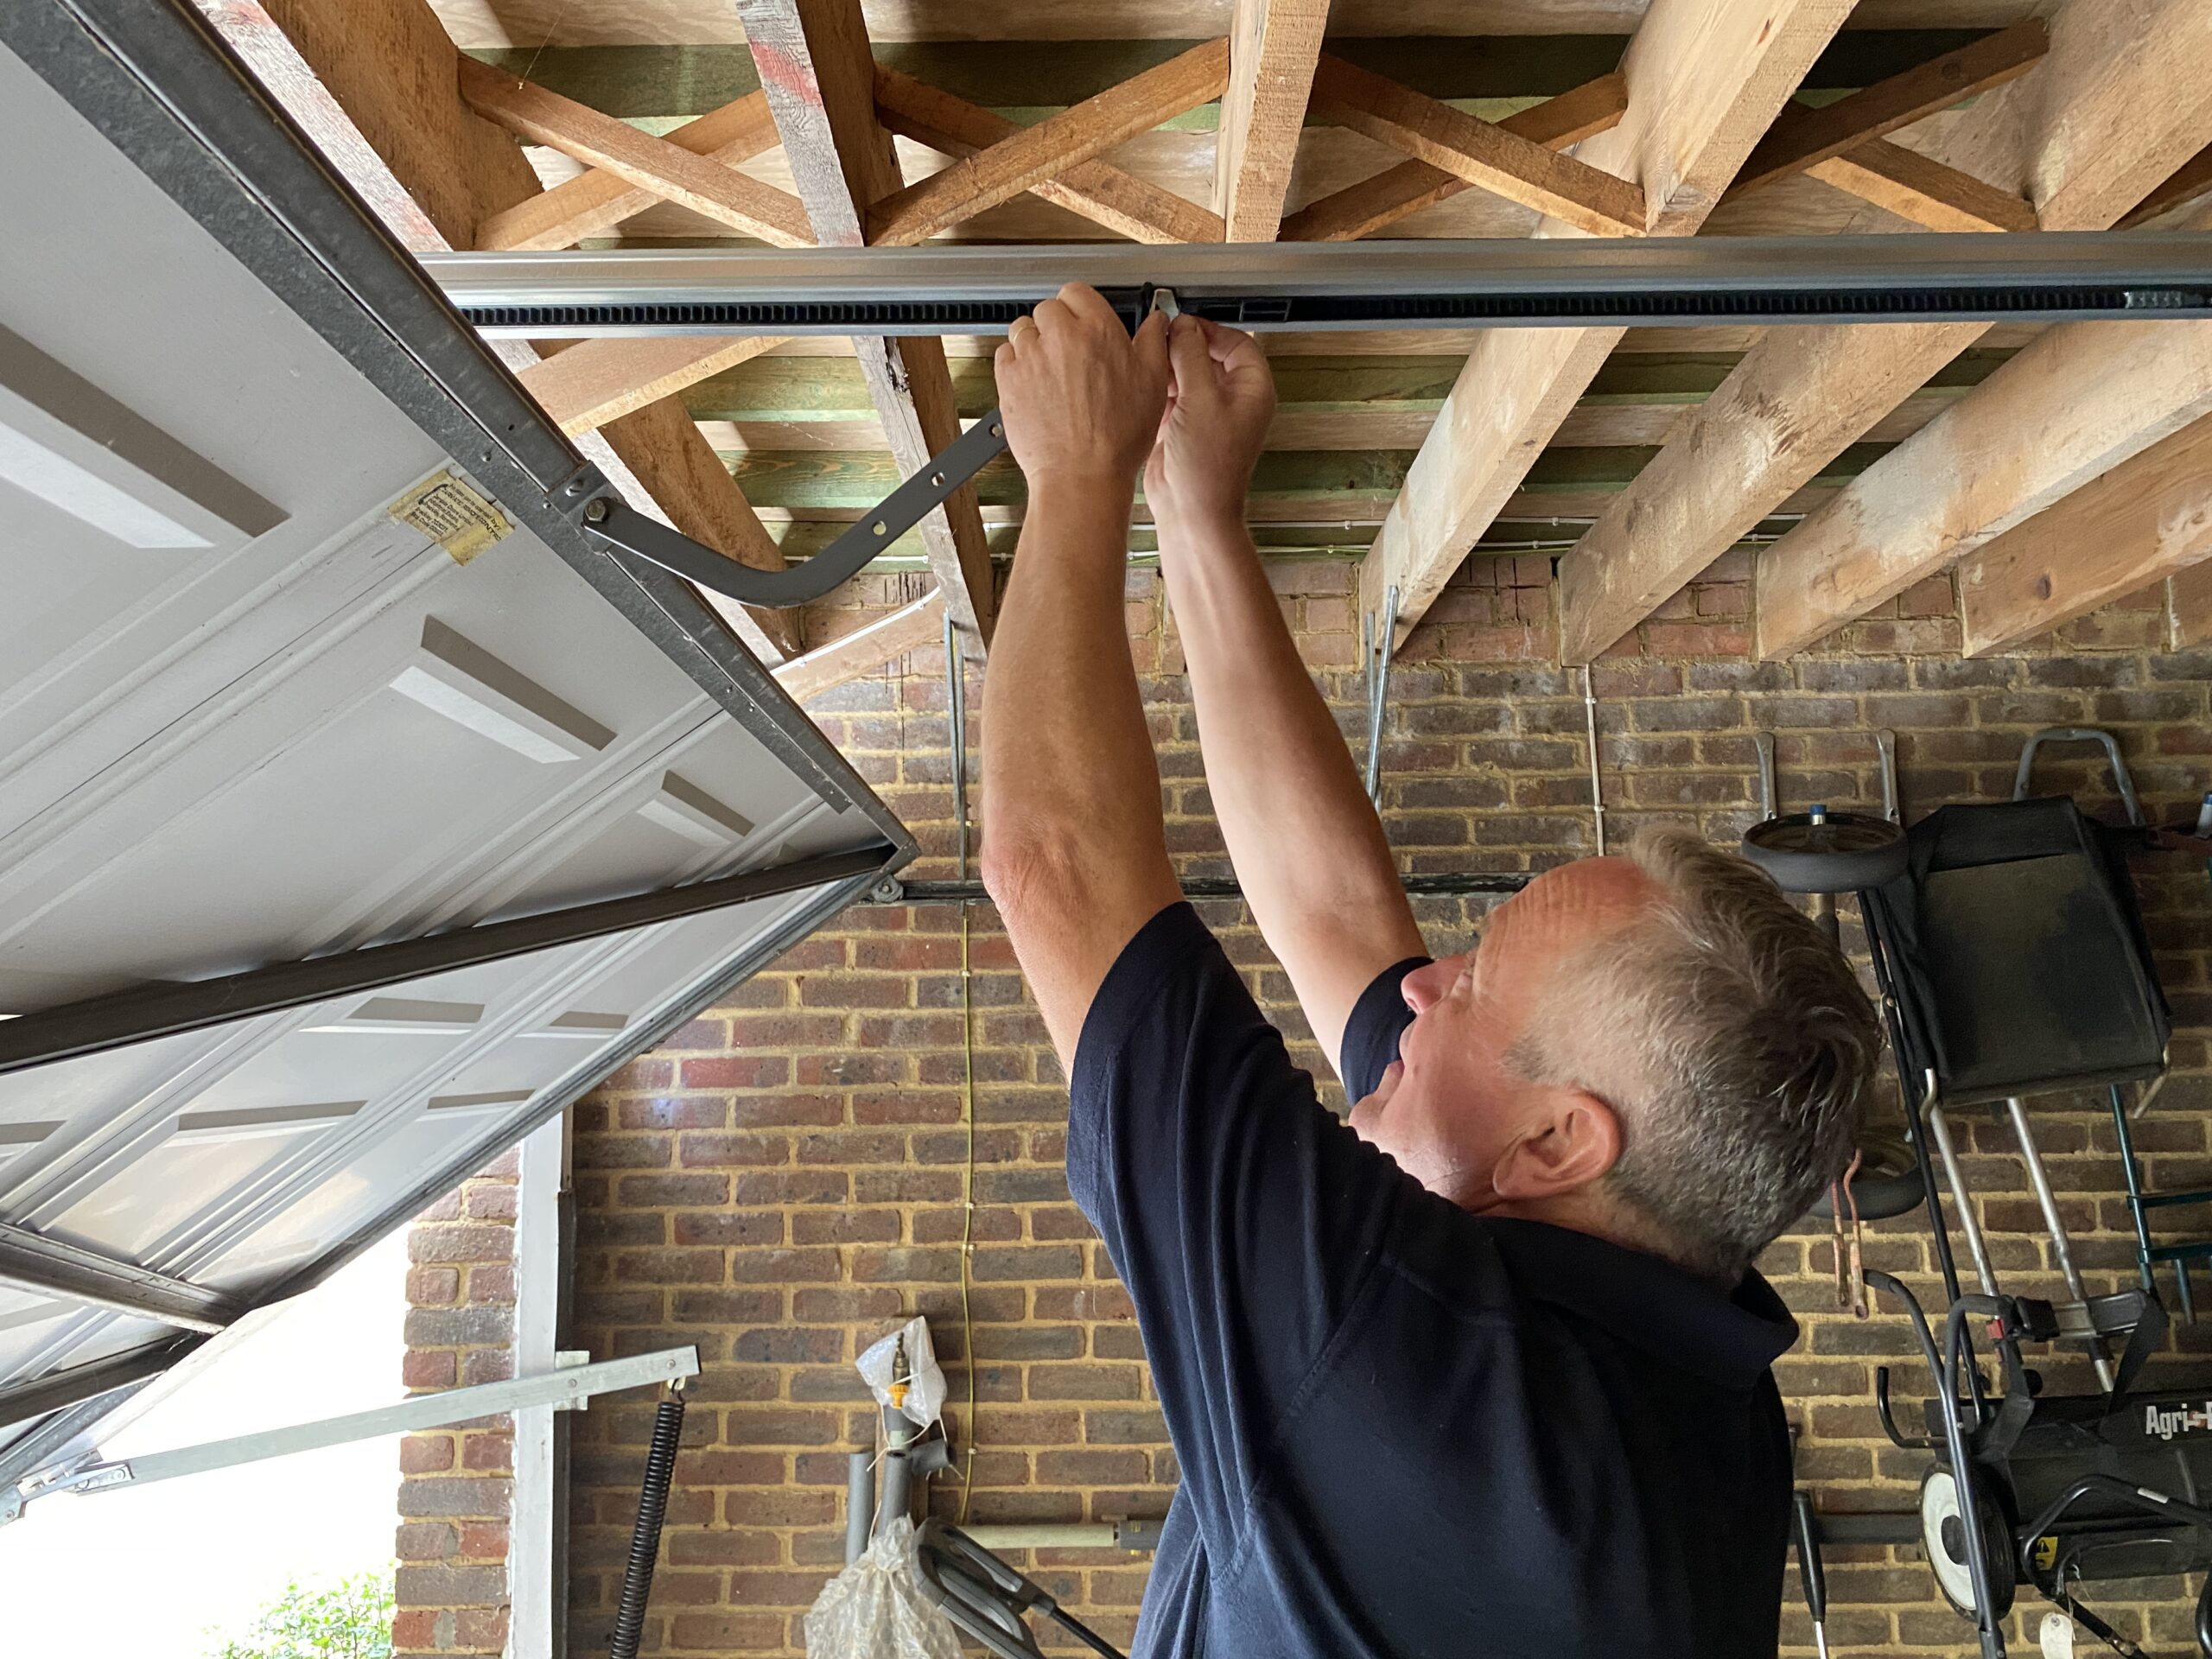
[(350, 1619)]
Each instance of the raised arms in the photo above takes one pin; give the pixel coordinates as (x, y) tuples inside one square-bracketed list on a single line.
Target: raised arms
[(1308, 849)]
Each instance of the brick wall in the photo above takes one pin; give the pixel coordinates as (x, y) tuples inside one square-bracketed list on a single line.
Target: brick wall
[(785, 1179), (454, 1500)]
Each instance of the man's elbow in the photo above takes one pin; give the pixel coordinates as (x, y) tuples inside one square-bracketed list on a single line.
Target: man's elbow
[(1031, 871)]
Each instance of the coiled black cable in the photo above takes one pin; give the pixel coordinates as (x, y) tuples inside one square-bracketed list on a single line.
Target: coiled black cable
[(644, 1539)]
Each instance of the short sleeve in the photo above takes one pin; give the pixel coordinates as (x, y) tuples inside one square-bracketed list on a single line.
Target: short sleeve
[(1242, 1215), (1378, 1019)]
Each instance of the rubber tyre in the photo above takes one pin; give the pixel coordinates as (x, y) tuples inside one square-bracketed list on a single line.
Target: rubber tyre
[(1888, 1184), (1846, 851), (1939, 1500)]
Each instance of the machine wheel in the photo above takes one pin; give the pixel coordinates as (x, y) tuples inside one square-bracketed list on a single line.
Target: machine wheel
[(1888, 1183), (1821, 851), (1943, 1538)]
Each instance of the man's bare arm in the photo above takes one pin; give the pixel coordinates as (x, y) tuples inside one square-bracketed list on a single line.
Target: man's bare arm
[(1309, 850), (1074, 852)]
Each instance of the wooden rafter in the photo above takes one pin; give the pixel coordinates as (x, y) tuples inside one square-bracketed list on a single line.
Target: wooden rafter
[(2192, 179), (601, 380), (2114, 107), (2079, 402), (1845, 144), (1803, 137), (814, 61), (1922, 190), (638, 158), (597, 199), (596, 381), (1362, 209), (367, 83), (2188, 601), (1030, 155), (1705, 79), (910, 627), (1483, 153), (2149, 518), (1102, 193), (1274, 45)]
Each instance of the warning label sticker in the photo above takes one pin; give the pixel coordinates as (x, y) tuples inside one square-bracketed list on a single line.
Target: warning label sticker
[(448, 511)]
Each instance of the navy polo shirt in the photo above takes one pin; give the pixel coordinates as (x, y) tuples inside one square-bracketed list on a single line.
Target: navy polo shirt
[(1405, 1430)]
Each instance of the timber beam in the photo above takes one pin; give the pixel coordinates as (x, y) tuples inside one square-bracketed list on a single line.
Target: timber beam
[(814, 63), (2147, 520), (1705, 80), (2114, 107)]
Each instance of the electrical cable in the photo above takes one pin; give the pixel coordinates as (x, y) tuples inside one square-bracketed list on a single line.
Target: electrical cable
[(645, 1538), (955, 709), (968, 1205)]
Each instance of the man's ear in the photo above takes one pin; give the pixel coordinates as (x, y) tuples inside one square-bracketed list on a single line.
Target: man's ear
[(1577, 1141)]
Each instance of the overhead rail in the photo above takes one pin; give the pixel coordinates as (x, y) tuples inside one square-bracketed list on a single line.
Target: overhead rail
[(1521, 281)]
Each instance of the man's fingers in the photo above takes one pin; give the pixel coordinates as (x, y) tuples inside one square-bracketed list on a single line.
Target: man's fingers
[(1150, 343), (1233, 349), (1083, 300), (1186, 351), (1051, 316)]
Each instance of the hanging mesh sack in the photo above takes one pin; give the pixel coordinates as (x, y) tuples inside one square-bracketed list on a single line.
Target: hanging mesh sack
[(874, 1609)]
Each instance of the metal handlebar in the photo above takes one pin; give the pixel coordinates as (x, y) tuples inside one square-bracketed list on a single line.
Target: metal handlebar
[(2081, 734)]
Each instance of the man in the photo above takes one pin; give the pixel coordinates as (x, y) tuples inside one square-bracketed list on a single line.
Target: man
[(1485, 1371)]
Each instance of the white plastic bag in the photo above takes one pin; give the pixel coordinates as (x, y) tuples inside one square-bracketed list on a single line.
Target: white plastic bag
[(926, 1392), (874, 1609)]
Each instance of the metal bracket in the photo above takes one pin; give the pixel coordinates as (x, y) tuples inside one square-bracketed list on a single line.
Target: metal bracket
[(1379, 653), (1770, 798), (1885, 741), (610, 519), (563, 1388), (606, 516)]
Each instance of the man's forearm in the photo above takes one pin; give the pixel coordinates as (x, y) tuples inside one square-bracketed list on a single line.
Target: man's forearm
[(1309, 851), (1073, 844)]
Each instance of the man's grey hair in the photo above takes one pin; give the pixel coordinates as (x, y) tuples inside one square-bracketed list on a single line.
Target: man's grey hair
[(1733, 1042)]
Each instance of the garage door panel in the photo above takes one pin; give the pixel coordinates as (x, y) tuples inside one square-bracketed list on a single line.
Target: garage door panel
[(131, 686), (78, 1338), (333, 730)]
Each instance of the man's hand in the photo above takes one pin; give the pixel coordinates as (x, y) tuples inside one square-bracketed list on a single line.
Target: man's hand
[(1218, 408), (1082, 399)]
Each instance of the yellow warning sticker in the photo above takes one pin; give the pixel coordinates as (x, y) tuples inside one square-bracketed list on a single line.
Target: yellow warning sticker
[(448, 511)]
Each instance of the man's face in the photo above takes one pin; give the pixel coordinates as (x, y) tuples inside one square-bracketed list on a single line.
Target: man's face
[(1451, 1109)]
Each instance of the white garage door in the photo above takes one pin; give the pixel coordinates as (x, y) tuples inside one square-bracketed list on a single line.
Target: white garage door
[(298, 656)]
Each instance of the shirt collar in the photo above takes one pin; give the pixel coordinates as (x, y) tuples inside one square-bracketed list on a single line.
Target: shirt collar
[(1731, 1338)]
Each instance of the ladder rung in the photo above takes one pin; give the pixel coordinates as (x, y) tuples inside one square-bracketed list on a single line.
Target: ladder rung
[(2197, 1252), (2167, 1200)]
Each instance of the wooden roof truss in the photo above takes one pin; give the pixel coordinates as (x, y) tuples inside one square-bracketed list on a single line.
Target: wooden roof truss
[(1872, 452)]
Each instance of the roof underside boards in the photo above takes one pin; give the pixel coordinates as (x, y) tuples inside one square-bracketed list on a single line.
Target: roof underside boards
[(804, 445), (802, 439), (256, 708)]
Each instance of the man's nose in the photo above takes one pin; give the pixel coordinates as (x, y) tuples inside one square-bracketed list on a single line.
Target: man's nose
[(1425, 986)]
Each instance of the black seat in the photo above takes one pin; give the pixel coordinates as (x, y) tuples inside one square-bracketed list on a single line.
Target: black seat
[(2018, 954)]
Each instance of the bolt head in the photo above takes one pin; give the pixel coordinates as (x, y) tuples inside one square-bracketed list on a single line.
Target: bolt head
[(595, 512)]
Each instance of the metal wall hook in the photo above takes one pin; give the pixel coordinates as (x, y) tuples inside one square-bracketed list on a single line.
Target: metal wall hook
[(1379, 652)]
